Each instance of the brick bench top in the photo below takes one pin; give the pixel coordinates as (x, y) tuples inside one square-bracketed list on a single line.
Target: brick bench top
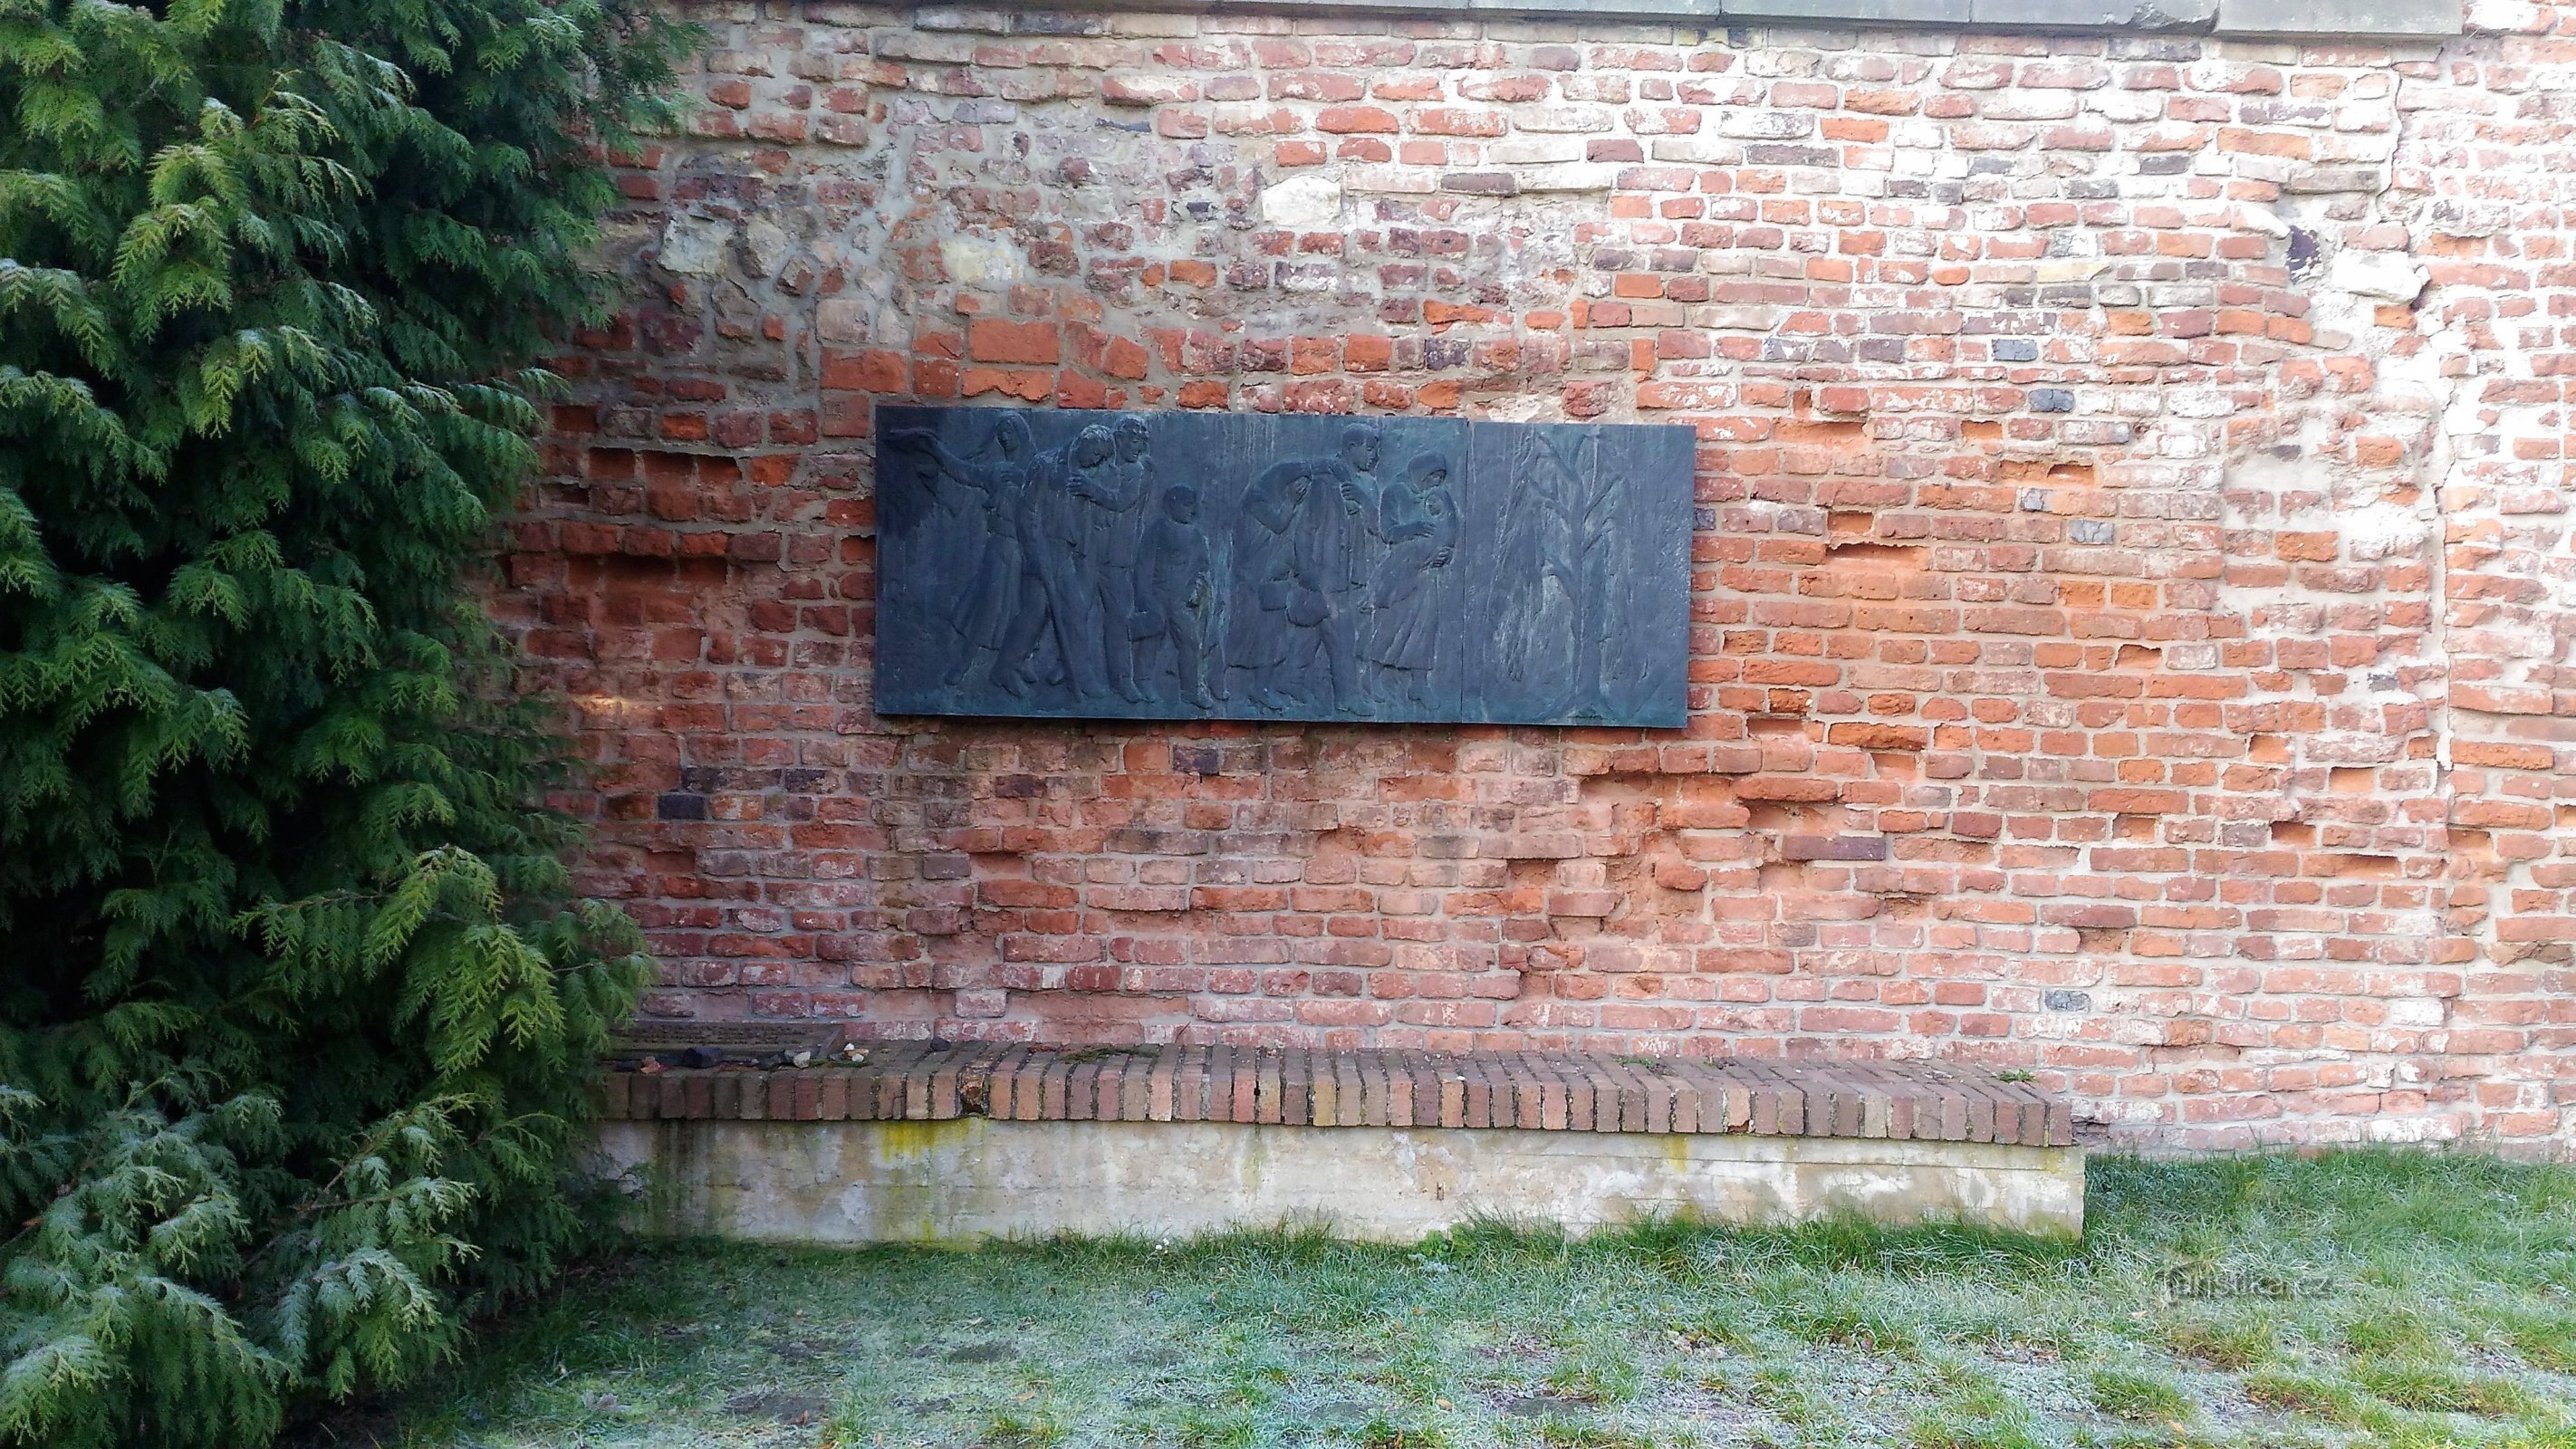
[(1544, 1091)]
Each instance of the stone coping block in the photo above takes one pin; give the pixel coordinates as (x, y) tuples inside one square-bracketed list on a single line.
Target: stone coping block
[(975, 1179), (1291, 1087), (2228, 19)]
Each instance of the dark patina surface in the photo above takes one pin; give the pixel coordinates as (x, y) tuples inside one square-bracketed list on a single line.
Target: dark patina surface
[(1069, 564)]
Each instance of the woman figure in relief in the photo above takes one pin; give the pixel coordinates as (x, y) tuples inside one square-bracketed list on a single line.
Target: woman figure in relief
[(1418, 518), (1265, 582)]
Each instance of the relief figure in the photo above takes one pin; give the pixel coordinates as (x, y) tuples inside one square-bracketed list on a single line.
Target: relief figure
[(1332, 552), (988, 598), (1536, 588), (1418, 518), (1112, 494), (1058, 604), (921, 523), (1265, 579), (1176, 583)]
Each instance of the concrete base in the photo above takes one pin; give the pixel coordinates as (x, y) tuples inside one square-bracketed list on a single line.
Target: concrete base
[(974, 1177)]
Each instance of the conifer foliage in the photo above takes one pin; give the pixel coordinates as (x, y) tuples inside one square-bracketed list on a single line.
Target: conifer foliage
[(296, 1006)]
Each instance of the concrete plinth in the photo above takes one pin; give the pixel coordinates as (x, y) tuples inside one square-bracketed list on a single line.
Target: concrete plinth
[(969, 1178)]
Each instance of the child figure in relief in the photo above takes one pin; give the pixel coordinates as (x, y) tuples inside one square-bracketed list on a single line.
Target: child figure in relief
[(1418, 518), (1176, 584)]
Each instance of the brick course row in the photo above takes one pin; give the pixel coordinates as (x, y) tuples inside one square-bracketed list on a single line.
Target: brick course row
[(1535, 1091)]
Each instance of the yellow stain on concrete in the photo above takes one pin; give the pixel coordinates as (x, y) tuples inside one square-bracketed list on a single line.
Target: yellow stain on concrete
[(912, 1141), (1677, 1152), (1256, 1159)]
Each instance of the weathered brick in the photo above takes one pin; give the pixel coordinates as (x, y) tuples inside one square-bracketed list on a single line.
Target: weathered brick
[(2072, 686)]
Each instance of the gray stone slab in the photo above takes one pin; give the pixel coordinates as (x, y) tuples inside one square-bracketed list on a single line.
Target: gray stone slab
[(2243, 19), (2371, 18), (2097, 14), (1692, 11), (1859, 12), (1056, 563)]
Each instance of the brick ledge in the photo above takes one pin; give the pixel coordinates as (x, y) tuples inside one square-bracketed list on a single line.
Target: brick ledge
[(1544, 1091)]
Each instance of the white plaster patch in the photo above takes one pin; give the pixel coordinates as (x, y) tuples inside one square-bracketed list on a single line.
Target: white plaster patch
[(1520, 409), (979, 261), (1737, 317), (1535, 151), (2389, 276), (2415, 1012), (2263, 219), (1571, 176), (2382, 531), (694, 246), (1308, 200), (2082, 269), (1402, 180)]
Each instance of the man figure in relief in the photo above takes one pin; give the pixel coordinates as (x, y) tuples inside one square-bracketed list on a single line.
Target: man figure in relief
[(1111, 494), (1057, 599), (1332, 542)]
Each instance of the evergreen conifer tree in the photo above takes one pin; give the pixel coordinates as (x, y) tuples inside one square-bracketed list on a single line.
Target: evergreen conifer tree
[(296, 1008)]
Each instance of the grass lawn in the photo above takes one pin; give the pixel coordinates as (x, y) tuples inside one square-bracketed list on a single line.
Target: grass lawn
[(2363, 1298)]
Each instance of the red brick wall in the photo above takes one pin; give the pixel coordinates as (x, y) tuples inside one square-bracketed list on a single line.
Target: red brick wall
[(2129, 619)]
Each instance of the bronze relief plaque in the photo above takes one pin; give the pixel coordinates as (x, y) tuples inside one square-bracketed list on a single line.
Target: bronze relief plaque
[(1064, 564)]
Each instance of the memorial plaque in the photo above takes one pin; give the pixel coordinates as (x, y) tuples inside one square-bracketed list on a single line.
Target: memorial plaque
[(1200, 565)]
